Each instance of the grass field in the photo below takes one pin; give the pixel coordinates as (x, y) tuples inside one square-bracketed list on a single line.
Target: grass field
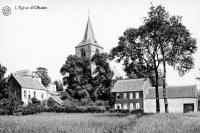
[(100, 123)]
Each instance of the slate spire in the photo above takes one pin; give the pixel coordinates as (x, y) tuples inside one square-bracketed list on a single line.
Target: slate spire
[(89, 37)]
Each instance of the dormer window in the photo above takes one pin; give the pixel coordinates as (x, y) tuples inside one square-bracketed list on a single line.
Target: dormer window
[(83, 54)]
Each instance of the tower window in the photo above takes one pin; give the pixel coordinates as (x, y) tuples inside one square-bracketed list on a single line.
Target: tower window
[(83, 54), (97, 51)]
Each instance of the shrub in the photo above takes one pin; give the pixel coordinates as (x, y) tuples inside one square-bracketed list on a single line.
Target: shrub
[(50, 102), (99, 103), (28, 110), (4, 112), (71, 102), (35, 101), (137, 111), (64, 95), (70, 109), (81, 109), (86, 102)]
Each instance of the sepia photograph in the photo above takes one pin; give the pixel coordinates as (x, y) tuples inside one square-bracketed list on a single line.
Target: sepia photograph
[(99, 66)]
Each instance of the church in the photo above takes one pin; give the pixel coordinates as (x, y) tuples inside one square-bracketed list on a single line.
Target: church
[(89, 46)]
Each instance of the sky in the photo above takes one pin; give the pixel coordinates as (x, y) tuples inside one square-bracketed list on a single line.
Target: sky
[(45, 37)]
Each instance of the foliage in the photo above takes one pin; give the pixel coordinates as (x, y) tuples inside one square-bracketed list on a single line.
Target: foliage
[(43, 74), (59, 85), (173, 41), (100, 103), (64, 95), (86, 102), (3, 90), (10, 104), (77, 75), (102, 79), (161, 39), (50, 102), (81, 83), (35, 101)]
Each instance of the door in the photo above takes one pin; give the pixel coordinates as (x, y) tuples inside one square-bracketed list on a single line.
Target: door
[(189, 107)]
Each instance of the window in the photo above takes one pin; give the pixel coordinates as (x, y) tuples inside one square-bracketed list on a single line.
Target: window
[(130, 95), (131, 106), (42, 95), (34, 93), (97, 51), (118, 96), (137, 105), (125, 106), (83, 54), (137, 95), (25, 95), (125, 95)]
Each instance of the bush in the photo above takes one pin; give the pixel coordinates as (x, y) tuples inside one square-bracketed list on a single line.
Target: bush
[(28, 110), (81, 109), (64, 95), (99, 103), (50, 102), (4, 112), (137, 111), (86, 102), (71, 102), (35, 101)]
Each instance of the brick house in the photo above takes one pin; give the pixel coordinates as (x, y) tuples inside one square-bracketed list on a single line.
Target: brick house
[(181, 99), (129, 94)]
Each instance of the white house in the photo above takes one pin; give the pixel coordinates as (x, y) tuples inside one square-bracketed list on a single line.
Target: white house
[(180, 99), (26, 86)]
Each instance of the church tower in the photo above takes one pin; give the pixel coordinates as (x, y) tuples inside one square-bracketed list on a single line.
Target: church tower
[(88, 46)]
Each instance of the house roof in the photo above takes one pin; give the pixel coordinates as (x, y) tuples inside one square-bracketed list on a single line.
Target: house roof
[(57, 99), (188, 91), (89, 37), (29, 82), (130, 85)]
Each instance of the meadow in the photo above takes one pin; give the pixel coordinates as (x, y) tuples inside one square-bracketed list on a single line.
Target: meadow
[(100, 123)]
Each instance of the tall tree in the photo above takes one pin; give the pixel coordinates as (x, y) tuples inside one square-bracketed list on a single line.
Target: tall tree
[(59, 85), (77, 75), (43, 74), (140, 57), (174, 41), (3, 90), (103, 74)]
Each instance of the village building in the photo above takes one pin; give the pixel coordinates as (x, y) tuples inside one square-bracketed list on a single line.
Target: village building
[(180, 99), (89, 46), (25, 85), (129, 94)]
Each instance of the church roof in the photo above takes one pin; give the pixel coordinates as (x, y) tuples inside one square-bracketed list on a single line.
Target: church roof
[(89, 37)]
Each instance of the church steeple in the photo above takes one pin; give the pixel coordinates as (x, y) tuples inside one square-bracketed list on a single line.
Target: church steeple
[(89, 37), (89, 34), (88, 46)]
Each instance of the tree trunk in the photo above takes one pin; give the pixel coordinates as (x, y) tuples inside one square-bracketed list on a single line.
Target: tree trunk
[(156, 89), (164, 83)]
